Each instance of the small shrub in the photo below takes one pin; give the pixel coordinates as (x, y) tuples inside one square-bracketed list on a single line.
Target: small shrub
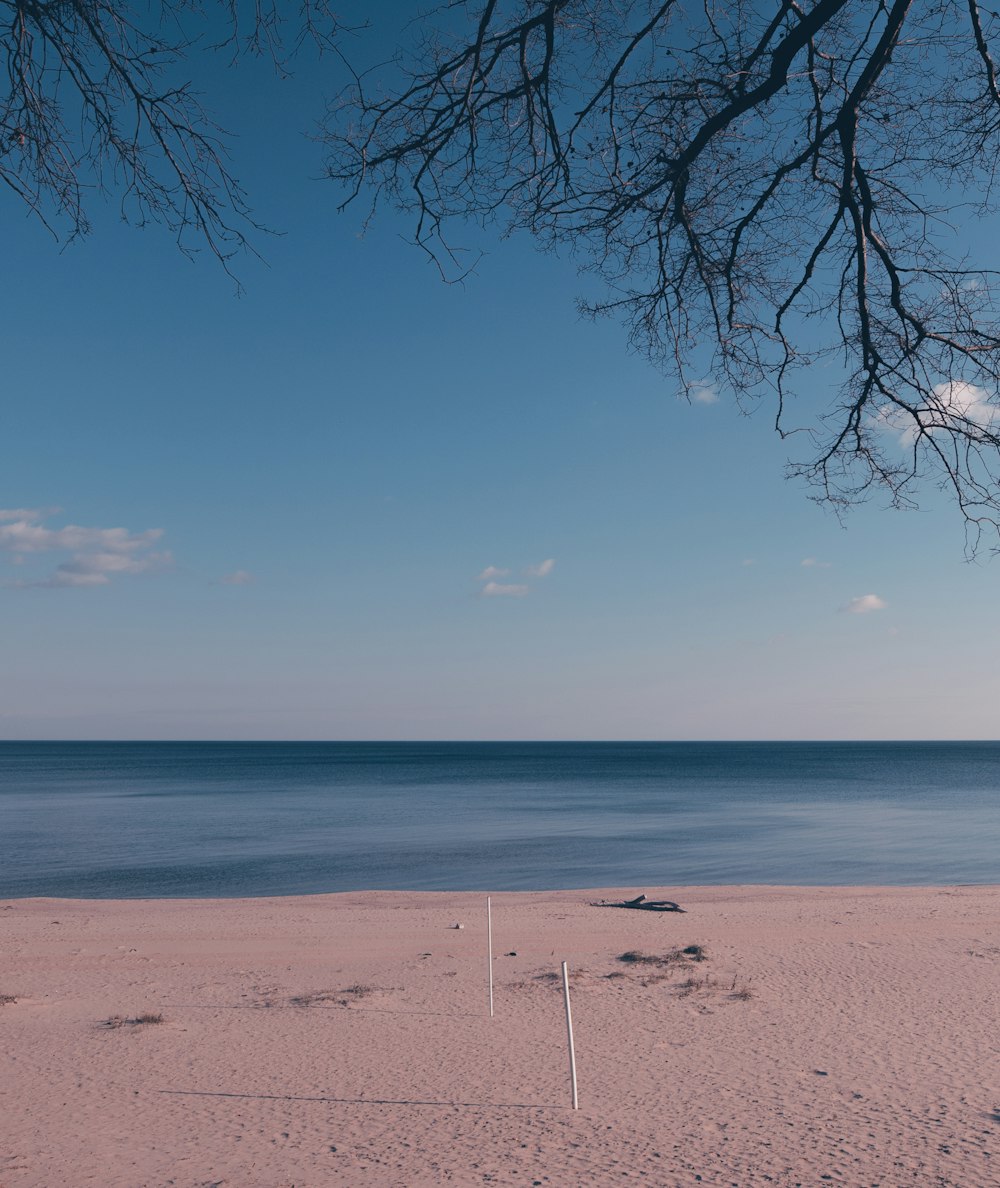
[(674, 957), (310, 999), (8, 999), (634, 957), (116, 1021)]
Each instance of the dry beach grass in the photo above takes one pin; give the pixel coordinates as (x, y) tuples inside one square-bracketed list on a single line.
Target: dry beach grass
[(780, 1036)]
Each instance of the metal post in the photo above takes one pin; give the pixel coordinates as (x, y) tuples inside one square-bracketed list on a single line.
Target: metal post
[(569, 1035), (489, 948)]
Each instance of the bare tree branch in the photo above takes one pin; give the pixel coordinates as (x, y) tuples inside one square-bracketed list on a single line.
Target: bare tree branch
[(94, 101), (763, 188)]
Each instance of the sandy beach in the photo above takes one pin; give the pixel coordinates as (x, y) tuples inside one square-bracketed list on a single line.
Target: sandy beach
[(828, 1035)]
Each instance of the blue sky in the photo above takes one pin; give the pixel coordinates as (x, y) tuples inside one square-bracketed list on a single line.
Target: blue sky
[(283, 506)]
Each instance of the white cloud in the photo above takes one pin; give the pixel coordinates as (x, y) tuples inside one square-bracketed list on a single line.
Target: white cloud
[(96, 569), (748, 561), (27, 513), (954, 399), (23, 536), (814, 563), (497, 590), (963, 399), (97, 553), (239, 577), (864, 604), (60, 580), (703, 392)]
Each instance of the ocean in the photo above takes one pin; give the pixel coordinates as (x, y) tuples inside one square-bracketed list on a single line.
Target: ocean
[(177, 819)]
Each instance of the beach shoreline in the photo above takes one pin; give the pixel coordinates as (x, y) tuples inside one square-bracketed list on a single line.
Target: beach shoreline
[(830, 1035)]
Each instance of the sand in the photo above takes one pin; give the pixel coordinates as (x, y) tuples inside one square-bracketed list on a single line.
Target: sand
[(840, 1035)]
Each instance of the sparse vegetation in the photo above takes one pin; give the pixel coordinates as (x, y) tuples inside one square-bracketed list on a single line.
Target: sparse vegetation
[(116, 1021), (693, 985), (577, 977), (673, 957), (654, 979), (8, 999), (338, 997), (739, 989), (634, 957), (675, 967), (741, 992), (314, 997)]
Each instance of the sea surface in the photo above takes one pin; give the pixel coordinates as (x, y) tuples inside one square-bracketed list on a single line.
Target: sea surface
[(130, 820)]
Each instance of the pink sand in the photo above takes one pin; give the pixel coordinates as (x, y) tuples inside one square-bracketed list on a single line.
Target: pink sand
[(865, 1052)]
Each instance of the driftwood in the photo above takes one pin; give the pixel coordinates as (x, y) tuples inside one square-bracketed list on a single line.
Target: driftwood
[(642, 904)]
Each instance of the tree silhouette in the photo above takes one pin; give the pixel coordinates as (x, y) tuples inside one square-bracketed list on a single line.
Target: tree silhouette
[(764, 189)]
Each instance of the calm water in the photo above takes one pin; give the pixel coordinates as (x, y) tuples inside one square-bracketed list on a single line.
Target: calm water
[(210, 819)]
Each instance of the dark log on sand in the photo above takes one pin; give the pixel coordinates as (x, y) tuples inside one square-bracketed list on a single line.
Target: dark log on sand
[(642, 904)]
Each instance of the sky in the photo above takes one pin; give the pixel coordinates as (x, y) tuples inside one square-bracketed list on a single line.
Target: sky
[(357, 503)]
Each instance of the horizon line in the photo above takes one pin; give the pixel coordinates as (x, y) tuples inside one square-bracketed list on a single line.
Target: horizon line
[(496, 741)]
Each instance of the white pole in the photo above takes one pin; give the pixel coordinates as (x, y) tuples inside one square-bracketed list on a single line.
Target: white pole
[(569, 1035), (489, 948)]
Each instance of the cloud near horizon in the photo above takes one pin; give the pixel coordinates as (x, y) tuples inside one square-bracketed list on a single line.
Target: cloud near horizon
[(814, 563), (28, 513), (864, 604), (239, 577), (497, 590), (98, 554)]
